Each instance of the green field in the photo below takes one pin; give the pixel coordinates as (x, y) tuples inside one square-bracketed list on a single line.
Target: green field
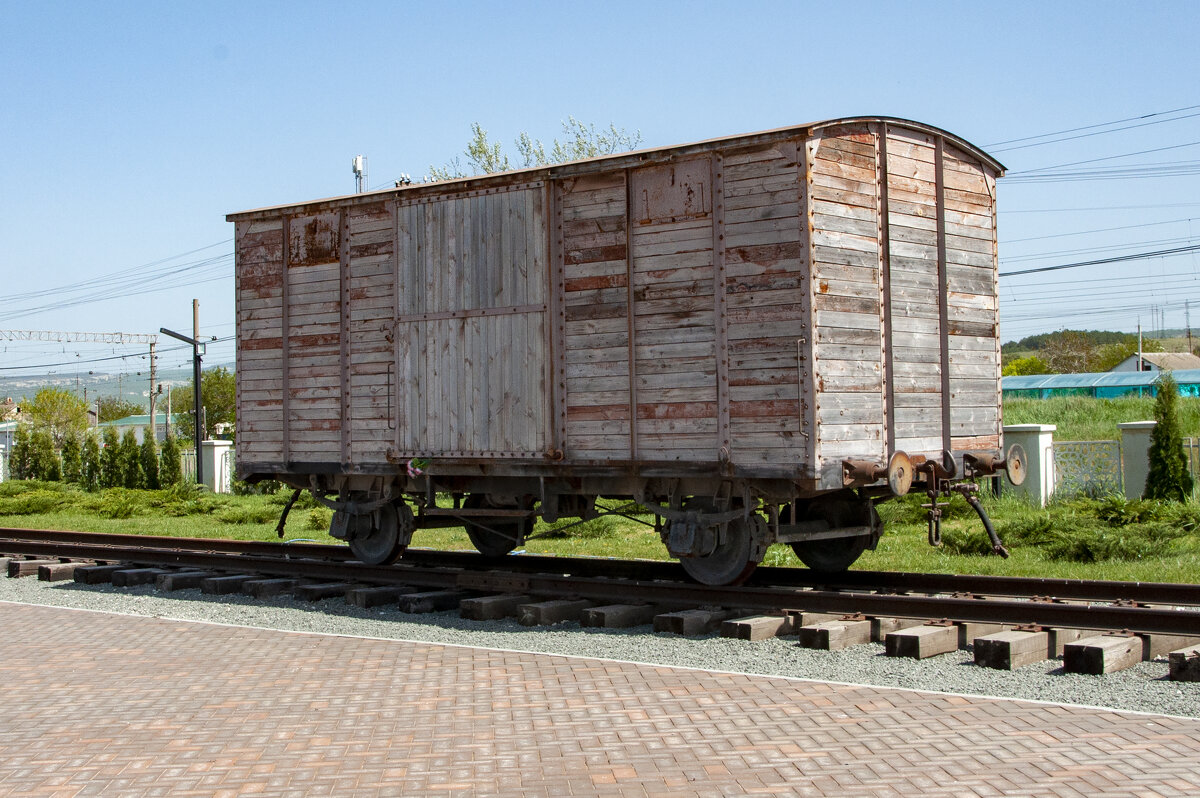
[(1080, 418), (1086, 539)]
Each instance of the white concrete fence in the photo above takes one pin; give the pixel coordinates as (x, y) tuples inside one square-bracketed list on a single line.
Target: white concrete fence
[(1094, 466)]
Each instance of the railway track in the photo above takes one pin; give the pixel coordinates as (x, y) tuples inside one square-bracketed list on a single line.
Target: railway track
[(1168, 611)]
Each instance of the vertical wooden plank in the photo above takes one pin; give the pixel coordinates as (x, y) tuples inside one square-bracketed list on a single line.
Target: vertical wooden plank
[(630, 316), (721, 343), (344, 331), (885, 278), (557, 322), (943, 290), (806, 346), (285, 332)]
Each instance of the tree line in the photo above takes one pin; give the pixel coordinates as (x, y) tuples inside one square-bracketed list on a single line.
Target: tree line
[(1072, 352), (53, 443)]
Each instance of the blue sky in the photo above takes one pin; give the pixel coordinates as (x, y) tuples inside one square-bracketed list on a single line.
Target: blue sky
[(130, 129)]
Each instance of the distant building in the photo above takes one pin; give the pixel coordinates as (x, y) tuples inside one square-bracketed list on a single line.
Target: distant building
[(1159, 361), (8, 409), (1101, 385), (138, 424)]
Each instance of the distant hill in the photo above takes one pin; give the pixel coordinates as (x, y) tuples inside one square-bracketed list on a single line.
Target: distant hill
[(130, 386)]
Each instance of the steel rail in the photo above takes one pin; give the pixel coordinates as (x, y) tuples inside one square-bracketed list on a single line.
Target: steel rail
[(1179, 594), (1147, 620)]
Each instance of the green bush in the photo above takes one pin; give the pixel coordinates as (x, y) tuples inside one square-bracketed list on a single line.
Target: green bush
[(248, 515), (33, 502), (1168, 477), (318, 519), (91, 462), (120, 503), (110, 460), (149, 459)]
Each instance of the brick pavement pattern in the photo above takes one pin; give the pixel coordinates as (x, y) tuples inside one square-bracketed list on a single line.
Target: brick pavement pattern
[(98, 704)]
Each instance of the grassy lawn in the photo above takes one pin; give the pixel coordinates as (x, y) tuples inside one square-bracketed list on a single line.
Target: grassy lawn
[(1081, 418), (1086, 539)]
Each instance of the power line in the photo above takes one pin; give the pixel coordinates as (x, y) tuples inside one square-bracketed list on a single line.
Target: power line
[(1096, 230), (1088, 135), (1098, 160), (1117, 259), (1103, 208), (1092, 127)]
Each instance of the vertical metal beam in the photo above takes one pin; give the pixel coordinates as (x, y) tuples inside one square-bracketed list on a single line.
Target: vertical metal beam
[(632, 327), (285, 324), (806, 346), (885, 273), (943, 292), (556, 323), (344, 332), (720, 331)]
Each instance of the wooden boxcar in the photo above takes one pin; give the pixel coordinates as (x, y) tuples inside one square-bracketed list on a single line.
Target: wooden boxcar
[(740, 334)]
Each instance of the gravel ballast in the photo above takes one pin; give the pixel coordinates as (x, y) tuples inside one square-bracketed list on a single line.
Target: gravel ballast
[(1143, 688)]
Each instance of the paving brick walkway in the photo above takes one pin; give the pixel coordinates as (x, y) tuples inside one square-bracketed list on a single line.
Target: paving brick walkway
[(98, 704)]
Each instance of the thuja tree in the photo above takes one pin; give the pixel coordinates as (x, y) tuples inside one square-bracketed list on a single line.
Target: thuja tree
[(45, 464), (20, 464), (1168, 477), (171, 472), (72, 460), (130, 458), (91, 462), (150, 459), (110, 460)]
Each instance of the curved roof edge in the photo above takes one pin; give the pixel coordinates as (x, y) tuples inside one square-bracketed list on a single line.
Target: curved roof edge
[(586, 165)]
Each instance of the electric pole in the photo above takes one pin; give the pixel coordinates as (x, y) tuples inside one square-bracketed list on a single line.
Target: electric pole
[(1187, 319), (197, 353), (153, 378)]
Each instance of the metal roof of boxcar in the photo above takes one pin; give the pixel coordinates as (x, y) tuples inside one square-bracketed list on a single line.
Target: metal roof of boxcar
[(1102, 379), (619, 161)]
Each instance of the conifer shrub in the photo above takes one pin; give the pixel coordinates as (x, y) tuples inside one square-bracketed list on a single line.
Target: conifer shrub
[(129, 459), (72, 460), (1168, 477), (149, 457), (91, 463), (170, 468), (110, 460)]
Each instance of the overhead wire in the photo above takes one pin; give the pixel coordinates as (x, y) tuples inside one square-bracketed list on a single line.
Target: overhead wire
[(1093, 127)]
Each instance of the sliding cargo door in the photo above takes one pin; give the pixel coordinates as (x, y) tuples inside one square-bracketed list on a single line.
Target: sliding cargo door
[(471, 334)]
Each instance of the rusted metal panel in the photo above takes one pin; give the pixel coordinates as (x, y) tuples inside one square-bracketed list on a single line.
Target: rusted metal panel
[(314, 238), (672, 192)]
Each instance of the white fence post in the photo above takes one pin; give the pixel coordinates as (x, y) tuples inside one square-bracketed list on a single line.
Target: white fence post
[(1038, 442), (1135, 456)]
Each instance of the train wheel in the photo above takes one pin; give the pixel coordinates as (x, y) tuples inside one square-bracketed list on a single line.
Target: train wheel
[(840, 510), (391, 529), (834, 555), (731, 562), (495, 537)]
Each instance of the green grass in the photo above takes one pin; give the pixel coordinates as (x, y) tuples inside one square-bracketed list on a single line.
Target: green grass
[(1085, 538), (1081, 418)]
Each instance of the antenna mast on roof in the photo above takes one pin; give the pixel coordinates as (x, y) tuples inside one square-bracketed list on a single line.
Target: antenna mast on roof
[(360, 173)]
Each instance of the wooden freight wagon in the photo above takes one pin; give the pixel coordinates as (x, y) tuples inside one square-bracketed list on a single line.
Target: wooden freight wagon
[(755, 337)]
